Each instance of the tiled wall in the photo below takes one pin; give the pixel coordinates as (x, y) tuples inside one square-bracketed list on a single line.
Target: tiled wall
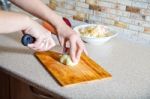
[(131, 16)]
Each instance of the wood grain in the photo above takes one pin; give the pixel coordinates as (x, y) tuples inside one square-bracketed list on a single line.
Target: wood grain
[(85, 70)]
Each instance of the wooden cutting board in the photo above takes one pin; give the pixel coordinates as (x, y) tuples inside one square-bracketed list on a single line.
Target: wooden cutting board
[(86, 70)]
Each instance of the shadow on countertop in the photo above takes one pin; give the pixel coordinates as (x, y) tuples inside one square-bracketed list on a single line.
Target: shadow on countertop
[(8, 49), (14, 38)]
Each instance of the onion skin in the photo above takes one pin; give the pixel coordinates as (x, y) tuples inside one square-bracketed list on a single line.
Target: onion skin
[(66, 60)]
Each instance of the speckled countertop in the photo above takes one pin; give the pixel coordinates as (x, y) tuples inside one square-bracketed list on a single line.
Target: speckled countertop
[(127, 61), (126, 57)]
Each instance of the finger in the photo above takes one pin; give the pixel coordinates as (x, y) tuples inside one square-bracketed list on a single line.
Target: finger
[(42, 45), (50, 45), (84, 48), (67, 44), (73, 50), (61, 40), (85, 51), (32, 46), (80, 50), (37, 43), (63, 44), (46, 45)]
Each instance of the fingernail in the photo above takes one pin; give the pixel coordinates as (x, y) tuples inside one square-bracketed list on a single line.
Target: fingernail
[(29, 45), (75, 61)]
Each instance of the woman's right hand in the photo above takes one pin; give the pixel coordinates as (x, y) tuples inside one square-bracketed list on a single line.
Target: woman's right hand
[(44, 40), (11, 22)]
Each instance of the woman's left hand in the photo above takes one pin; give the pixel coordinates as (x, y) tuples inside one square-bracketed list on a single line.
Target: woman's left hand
[(66, 34)]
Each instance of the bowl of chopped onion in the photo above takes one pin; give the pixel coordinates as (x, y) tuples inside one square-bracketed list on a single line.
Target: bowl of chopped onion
[(95, 33)]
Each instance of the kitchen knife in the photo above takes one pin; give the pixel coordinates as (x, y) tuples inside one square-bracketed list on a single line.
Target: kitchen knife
[(28, 39)]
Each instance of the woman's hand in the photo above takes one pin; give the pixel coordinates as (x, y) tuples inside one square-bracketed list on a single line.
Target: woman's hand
[(66, 34), (43, 37), (11, 22)]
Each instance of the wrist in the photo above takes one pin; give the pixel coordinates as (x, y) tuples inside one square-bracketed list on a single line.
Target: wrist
[(56, 21)]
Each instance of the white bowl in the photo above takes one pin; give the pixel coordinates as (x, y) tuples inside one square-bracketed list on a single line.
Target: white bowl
[(95, 40)]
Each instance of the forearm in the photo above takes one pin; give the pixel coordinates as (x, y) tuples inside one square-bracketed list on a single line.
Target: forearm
[(12, 22), (39, 9)]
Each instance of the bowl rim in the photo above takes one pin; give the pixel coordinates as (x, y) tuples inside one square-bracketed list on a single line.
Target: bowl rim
[(76, 28)]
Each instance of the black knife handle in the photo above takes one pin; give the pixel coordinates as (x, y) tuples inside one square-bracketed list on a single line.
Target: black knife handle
[(27, 39)]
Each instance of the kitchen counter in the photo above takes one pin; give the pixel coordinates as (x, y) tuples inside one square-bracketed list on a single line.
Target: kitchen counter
[(127, 61)]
